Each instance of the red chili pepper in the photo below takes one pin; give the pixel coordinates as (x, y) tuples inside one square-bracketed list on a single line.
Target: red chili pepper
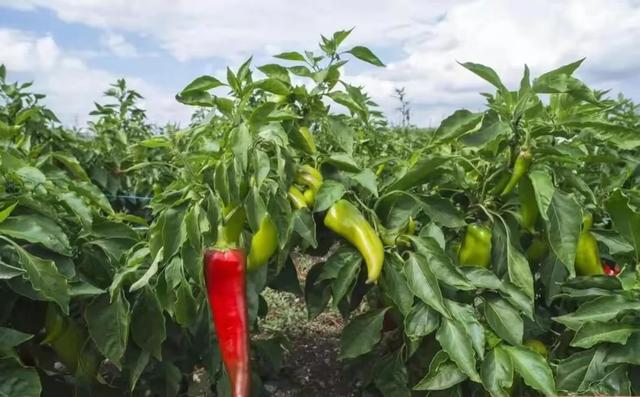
[(226, 289), (611, 270)]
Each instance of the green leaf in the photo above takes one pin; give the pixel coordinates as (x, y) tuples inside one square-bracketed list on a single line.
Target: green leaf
[(148, 324), (45, 278), (424, 284), (504, 320), (467, 316), (390, 375), (317, 294), (517, 265), (565, 219), (625, 220), (440, 263), (4, 214), (137, 367), (151, 271), (615, 243), (393, 284), (276, 71), (442, 212), (343, 161), (603, 309), (185, 307), (421, 321), (202, 83), (455, 342), (341, 133), (304, 224), (590, 334), (491, 128), (544, 190), (362, 334), (108, 324), (273, 85), (10, 338), (8, 272), (344, 256), (72, 164), (418, 173), (497, 372), (533, 368), (290, 56), (459, 123), (573, 371), (346, 278), (75, 203), (364, 54), (486, 73), (443, 374), (628, 353), (330, 192), (615, 382), (367, 179), (37, 229), (18, 381)]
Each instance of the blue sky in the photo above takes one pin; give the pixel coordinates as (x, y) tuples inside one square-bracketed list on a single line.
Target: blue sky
[(73, 49)]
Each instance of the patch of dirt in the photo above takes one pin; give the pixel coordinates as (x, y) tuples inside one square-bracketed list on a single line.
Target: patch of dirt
[(310, 364)]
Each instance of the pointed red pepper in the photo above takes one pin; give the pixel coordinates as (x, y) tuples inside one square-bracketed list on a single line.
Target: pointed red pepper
[(226, 289)]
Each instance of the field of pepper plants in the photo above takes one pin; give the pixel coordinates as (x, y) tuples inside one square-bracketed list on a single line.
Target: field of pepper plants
[(495, 255)]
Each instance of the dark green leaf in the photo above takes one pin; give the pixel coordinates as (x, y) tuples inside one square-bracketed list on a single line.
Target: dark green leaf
[(16, 380), (147, 323), (590, 334), (455, 342), (504, 320), (497, 372), (533, 368), (108, 324), (361, 334), (421, 321), (424, 284)]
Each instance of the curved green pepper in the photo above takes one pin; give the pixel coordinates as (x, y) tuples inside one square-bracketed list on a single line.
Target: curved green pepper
[(476, 247), (297, 198), (310, 177), (587, 255), (520, 167), (309, 197), (264, 244), (303, 138), (347, 221), (528, 205)]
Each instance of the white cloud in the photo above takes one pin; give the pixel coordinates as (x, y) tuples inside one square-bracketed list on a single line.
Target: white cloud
[(505, 35), (425, 39), (71, 85), (118, 45), (191, 29)]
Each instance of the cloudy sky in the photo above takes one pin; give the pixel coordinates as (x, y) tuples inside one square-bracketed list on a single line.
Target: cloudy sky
[(73, 49)]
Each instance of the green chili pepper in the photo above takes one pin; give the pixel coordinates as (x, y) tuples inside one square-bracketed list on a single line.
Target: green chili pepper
[(297, 198), (476, 247), (587, 255), (520, 168), (528, 205), (347, 221), (264, 244)]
